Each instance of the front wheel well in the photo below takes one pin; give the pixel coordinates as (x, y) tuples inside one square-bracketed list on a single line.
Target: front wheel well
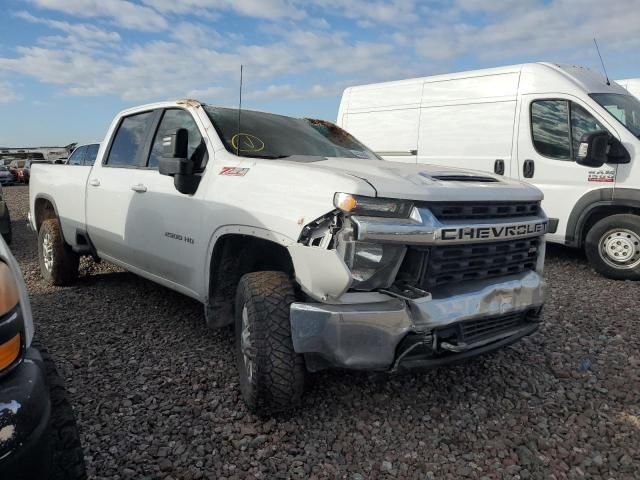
[(43, 210), (235, 255), (598, 213)]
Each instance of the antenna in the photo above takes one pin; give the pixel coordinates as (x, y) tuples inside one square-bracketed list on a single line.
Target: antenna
[(239, 111), (603, 67)]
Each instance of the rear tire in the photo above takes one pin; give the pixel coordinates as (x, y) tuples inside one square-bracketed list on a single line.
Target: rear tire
[(271, 373), (613, 247), (58, 263)]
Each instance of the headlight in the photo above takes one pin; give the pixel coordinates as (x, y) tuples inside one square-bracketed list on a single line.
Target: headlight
[(372, 207), (372, 265), (11, 325)]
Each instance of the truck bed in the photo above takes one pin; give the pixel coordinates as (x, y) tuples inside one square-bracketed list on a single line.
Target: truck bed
[(65, 187)]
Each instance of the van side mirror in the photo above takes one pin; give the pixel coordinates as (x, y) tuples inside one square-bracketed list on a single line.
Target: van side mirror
[(593, 148), (175, 162)]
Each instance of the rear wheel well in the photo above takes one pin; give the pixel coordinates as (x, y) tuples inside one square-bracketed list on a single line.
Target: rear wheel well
[(235, 255), (44, 210), (598, 213)]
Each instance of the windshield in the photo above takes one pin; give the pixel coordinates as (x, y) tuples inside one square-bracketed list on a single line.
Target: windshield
[(265, 135), (625, 108)]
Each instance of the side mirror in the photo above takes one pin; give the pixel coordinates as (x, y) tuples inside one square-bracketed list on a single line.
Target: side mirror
[(593, 149), (617, 152), (175, 162)]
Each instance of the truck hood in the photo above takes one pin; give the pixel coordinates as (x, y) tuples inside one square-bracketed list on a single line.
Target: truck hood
[(428, 182)]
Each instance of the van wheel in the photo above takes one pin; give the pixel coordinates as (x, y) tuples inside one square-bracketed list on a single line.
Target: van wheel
[(613, 247), (271, 373), (58, 263)]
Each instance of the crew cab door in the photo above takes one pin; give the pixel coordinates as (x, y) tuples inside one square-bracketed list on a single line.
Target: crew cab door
[(136, 215), (549, 134)]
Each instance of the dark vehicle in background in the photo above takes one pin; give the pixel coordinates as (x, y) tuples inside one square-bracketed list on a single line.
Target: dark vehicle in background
[(38, 434), (6, 177), (25, 173), (84, 154)]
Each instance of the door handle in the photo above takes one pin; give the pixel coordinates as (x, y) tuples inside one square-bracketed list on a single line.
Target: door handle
[(94, 182), (139, 188), (528, 169), (498, 167)]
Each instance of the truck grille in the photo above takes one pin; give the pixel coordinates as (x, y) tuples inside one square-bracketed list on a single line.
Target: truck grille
[(472, 331), (433, 267), (475, 330), (483, 211)]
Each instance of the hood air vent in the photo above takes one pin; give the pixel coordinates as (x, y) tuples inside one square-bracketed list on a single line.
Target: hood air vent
[(464, 178)]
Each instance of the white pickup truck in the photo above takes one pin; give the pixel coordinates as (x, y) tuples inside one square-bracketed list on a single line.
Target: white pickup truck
[(323, 254)]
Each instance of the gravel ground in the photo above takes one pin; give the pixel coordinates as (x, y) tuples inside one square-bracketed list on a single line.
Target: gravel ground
[(156, 394)]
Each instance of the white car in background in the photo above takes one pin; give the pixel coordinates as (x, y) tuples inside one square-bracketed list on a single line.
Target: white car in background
[(632, 85)]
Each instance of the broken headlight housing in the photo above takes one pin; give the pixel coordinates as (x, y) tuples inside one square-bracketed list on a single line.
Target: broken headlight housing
[(372, 265)]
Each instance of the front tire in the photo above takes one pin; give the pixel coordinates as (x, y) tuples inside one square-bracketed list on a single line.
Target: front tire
[(58, 263), (271, 373), (612, 246)]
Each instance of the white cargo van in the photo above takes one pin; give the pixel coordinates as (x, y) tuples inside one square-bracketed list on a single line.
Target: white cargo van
[(632, 85), (561, 127)]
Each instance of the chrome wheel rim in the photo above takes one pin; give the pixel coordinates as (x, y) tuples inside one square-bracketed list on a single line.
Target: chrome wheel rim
[(47, 251), (620, 248), (245, 345)]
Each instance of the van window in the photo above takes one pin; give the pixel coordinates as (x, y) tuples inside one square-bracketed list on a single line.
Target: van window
[(129, 140), (624, 108), (550, 128), (582, 122)]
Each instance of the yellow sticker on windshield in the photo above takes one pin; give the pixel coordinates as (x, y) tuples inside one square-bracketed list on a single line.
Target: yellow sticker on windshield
[(248, 142)]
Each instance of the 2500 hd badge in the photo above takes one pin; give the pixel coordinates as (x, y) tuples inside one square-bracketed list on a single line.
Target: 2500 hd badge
[(493, 232)]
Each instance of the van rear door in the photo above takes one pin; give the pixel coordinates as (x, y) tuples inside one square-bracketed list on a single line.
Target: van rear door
[(549, 133)]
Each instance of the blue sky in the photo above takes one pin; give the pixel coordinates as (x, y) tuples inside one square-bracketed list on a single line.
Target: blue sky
[(67, 66)]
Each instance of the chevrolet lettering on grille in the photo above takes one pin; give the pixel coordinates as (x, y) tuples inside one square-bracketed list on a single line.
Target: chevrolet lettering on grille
[(492, 232)]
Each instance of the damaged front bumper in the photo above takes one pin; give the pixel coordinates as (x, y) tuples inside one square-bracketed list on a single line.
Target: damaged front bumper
[(397, 333)]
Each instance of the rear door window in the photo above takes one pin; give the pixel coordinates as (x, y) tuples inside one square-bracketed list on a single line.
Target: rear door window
[(128, 143), (91, 154)]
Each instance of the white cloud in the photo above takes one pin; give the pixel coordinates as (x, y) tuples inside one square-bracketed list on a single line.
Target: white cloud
[(78, 30), (125, 14), (368, 12), (196, 35), (269, 9), (528, 30)]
